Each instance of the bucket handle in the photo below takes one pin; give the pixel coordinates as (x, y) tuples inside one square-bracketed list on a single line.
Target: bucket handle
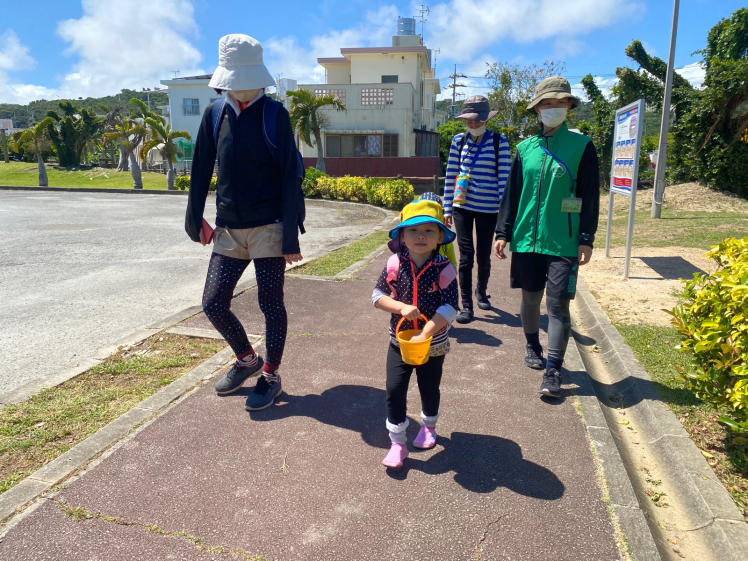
[(415, 323)]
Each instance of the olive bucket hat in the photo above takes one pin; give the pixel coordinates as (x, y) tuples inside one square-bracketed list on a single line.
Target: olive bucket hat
[(553, 87)]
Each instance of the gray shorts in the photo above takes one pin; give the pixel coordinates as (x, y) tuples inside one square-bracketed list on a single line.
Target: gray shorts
[(249, 243)]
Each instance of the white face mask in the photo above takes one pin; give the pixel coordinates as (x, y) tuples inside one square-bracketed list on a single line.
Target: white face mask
[(475, 133), (553, 117)]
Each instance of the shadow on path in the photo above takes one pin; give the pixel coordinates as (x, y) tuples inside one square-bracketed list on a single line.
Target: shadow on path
[(481, 463)]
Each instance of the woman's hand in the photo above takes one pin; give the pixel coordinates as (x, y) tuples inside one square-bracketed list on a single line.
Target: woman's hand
[(498, 249), (292, 257), (448, 221), (409, 312)]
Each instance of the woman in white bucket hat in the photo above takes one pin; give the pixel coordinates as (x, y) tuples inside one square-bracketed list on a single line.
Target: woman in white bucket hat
[(259, 209)]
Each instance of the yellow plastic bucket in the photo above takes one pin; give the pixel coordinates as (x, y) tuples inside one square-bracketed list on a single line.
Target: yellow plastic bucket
[(415, 353)]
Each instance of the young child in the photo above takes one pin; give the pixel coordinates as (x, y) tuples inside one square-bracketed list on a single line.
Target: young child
[(417, 280), (446, 249)]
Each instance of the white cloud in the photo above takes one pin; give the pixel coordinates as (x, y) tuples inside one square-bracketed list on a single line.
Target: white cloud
[(463, 27), (128, 43), (286, 56), (115, 45), (694, 73), (13, 54)]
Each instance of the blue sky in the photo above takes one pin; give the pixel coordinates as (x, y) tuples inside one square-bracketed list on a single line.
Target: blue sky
[(66, 48)]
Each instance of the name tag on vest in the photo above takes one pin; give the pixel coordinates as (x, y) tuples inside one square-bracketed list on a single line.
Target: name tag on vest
[(571, 205)]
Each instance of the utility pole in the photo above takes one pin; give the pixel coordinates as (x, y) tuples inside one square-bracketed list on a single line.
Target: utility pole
[(658, 192), (454, 87)]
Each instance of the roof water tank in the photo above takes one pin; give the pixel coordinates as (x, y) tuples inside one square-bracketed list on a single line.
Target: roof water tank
[(406, 26)]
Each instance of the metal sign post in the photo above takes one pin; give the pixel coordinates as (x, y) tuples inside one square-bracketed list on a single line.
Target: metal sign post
[(624, 170)]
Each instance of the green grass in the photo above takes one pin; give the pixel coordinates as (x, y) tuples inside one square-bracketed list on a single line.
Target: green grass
[(654, 347), (26, 174), (51, 422), (340, 259), (682, 228)]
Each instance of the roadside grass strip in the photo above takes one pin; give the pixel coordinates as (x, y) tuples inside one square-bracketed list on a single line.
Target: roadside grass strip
[(26, 174), (48, 424), (338, 260), (655, 349)]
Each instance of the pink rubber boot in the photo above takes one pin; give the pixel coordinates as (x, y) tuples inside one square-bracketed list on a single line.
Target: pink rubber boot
[(396, 455), (426, 438)]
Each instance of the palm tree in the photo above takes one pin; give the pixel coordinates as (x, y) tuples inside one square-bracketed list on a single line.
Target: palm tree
[(38, 138), (128, 133), (162, 139), (307, 119)]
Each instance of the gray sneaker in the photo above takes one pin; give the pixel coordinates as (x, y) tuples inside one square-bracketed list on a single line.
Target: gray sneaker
[(551, 386), (234, 378), (263, 395), (534, 357)]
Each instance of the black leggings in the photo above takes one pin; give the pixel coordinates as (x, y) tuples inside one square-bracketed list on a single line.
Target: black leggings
[(485, 224), (429, 377), (223, 275)]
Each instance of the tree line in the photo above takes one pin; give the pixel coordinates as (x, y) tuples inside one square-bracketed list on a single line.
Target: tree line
[(708, 139), (74, 133)]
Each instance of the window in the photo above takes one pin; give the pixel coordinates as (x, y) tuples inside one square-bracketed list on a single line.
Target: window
[(377, 96), (339, 93), (361, 145), (190, 106), (427, 143), (333, 145), (389, 78), (389, 146)]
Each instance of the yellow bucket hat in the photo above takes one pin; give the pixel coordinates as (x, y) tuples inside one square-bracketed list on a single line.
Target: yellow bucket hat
[(421, 212)]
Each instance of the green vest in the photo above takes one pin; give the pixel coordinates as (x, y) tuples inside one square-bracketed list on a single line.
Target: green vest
[(540, 226)]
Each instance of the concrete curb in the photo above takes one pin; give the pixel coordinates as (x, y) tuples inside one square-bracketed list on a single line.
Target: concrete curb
[(713, 513), (93, 190), (622, 500)]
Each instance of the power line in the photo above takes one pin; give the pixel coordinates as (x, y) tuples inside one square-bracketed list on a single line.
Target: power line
[(454, 87)]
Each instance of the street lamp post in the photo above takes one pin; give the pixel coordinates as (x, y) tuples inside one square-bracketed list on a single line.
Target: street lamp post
[(659, 187)]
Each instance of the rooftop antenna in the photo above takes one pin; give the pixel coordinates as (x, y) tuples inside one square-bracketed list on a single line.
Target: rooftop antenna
[(435, 52), (176, 73), (423, 11)]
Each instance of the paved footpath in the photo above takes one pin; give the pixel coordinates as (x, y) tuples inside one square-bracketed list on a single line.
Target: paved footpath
[(512, 476)]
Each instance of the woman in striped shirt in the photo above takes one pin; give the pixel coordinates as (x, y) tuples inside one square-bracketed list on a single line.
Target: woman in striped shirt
[(477, 170)]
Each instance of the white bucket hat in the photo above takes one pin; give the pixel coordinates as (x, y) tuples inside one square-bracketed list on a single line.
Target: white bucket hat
[(240, 65)]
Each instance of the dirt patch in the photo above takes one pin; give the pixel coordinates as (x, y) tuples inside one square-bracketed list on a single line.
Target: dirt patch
[(655, 273), (655, 279)]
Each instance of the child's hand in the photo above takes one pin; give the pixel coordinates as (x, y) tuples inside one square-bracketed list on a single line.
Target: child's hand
[(418, 337), (409, 312)]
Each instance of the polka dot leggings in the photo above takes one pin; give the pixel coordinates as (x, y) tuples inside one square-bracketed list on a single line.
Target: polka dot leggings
[(223, 275)]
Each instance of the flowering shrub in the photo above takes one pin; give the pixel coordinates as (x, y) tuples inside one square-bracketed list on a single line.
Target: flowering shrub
[(713, 321), (390, 193)]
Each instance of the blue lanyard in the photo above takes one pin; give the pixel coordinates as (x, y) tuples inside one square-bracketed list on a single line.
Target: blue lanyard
[(477, 151), (560, 161)]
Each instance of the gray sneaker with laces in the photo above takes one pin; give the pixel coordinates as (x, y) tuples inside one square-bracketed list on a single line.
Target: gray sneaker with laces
[(534, 357), (551, 386), (264, 393), (234, 378)]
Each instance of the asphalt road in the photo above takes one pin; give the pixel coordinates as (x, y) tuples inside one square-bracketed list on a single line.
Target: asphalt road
[(80, 271)]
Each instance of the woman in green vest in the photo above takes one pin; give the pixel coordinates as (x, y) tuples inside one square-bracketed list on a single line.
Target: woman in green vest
[(549, 216)]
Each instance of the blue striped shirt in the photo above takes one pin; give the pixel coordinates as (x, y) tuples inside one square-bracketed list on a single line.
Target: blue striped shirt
[(486, 181)]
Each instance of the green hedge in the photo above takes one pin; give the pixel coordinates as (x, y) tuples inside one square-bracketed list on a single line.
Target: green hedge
[(712, 319), (389, 193), (182, 182)]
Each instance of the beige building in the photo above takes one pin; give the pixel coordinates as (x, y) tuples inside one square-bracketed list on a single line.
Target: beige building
[(390, 122)]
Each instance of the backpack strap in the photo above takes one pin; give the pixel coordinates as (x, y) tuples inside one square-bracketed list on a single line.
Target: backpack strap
[(393, 267), (447, 275), (216, 115), (270, 123), (496, 145), (463, 140)]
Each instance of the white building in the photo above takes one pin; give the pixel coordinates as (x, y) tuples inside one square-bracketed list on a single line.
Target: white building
[(389, 125)]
